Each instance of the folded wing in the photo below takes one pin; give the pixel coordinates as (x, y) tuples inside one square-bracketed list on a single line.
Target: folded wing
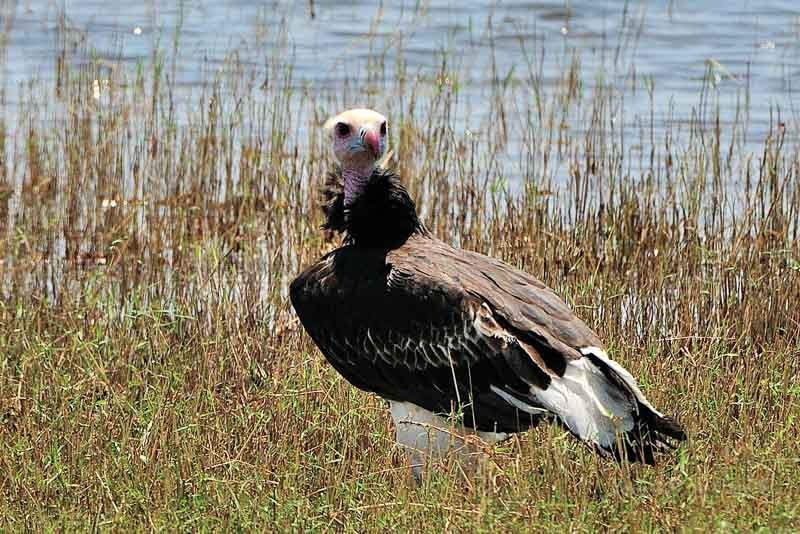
[(458, 332)]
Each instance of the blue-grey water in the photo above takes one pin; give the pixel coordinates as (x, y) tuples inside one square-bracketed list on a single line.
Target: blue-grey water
[(750, 49)]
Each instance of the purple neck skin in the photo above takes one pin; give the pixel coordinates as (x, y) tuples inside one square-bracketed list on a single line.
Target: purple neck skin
[(354, 183)]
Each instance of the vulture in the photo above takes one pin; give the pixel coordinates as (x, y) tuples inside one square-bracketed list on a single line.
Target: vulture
[(461, 345)]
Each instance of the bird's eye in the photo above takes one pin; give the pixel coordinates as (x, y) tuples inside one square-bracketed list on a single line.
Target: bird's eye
[(383, 129), (342, 129)]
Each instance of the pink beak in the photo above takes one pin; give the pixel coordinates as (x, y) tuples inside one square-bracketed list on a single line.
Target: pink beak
[(373, 142)]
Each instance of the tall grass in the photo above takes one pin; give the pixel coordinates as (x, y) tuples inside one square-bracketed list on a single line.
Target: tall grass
[(153, 375)]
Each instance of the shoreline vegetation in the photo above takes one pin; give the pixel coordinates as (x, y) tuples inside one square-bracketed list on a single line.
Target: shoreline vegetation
[(153, 374)]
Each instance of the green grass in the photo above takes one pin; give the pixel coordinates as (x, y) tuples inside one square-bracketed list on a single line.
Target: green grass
[(153, 375)]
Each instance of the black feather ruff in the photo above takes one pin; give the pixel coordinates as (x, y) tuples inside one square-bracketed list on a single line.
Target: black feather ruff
[(383, 216)]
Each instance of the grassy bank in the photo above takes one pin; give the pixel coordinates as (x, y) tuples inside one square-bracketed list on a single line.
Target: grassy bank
[(153, 375)]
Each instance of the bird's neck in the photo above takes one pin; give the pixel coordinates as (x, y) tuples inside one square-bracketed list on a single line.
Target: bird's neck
[(375, 211), (355, 180)]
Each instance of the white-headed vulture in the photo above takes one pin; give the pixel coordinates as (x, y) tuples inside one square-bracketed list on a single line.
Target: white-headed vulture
[(439, 331)]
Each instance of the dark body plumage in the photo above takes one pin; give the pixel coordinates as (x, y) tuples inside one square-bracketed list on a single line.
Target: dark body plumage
[(402, 314)]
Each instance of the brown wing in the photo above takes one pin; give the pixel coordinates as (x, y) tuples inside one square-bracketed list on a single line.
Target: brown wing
[(452, 330), (520, 303), (593, 396), (440, 327), (406, 336)]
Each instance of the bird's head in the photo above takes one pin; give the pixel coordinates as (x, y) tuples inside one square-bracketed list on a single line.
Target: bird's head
[(358, 139)]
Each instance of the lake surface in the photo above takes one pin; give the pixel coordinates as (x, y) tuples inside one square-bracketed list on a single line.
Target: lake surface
[(750, 47)]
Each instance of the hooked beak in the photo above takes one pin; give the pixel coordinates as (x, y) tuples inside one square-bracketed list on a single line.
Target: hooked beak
[(371, 141)]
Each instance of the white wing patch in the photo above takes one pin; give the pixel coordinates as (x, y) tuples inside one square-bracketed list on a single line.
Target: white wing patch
[(593, 406), (588, 403), (626, 377)]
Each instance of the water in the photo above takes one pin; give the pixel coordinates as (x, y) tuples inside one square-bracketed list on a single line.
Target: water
[(752, 46)]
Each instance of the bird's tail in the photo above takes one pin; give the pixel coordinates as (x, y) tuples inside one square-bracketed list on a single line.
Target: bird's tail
[(600, 403)]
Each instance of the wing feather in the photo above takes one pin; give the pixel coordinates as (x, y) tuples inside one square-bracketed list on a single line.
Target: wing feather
[(412, 336)]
